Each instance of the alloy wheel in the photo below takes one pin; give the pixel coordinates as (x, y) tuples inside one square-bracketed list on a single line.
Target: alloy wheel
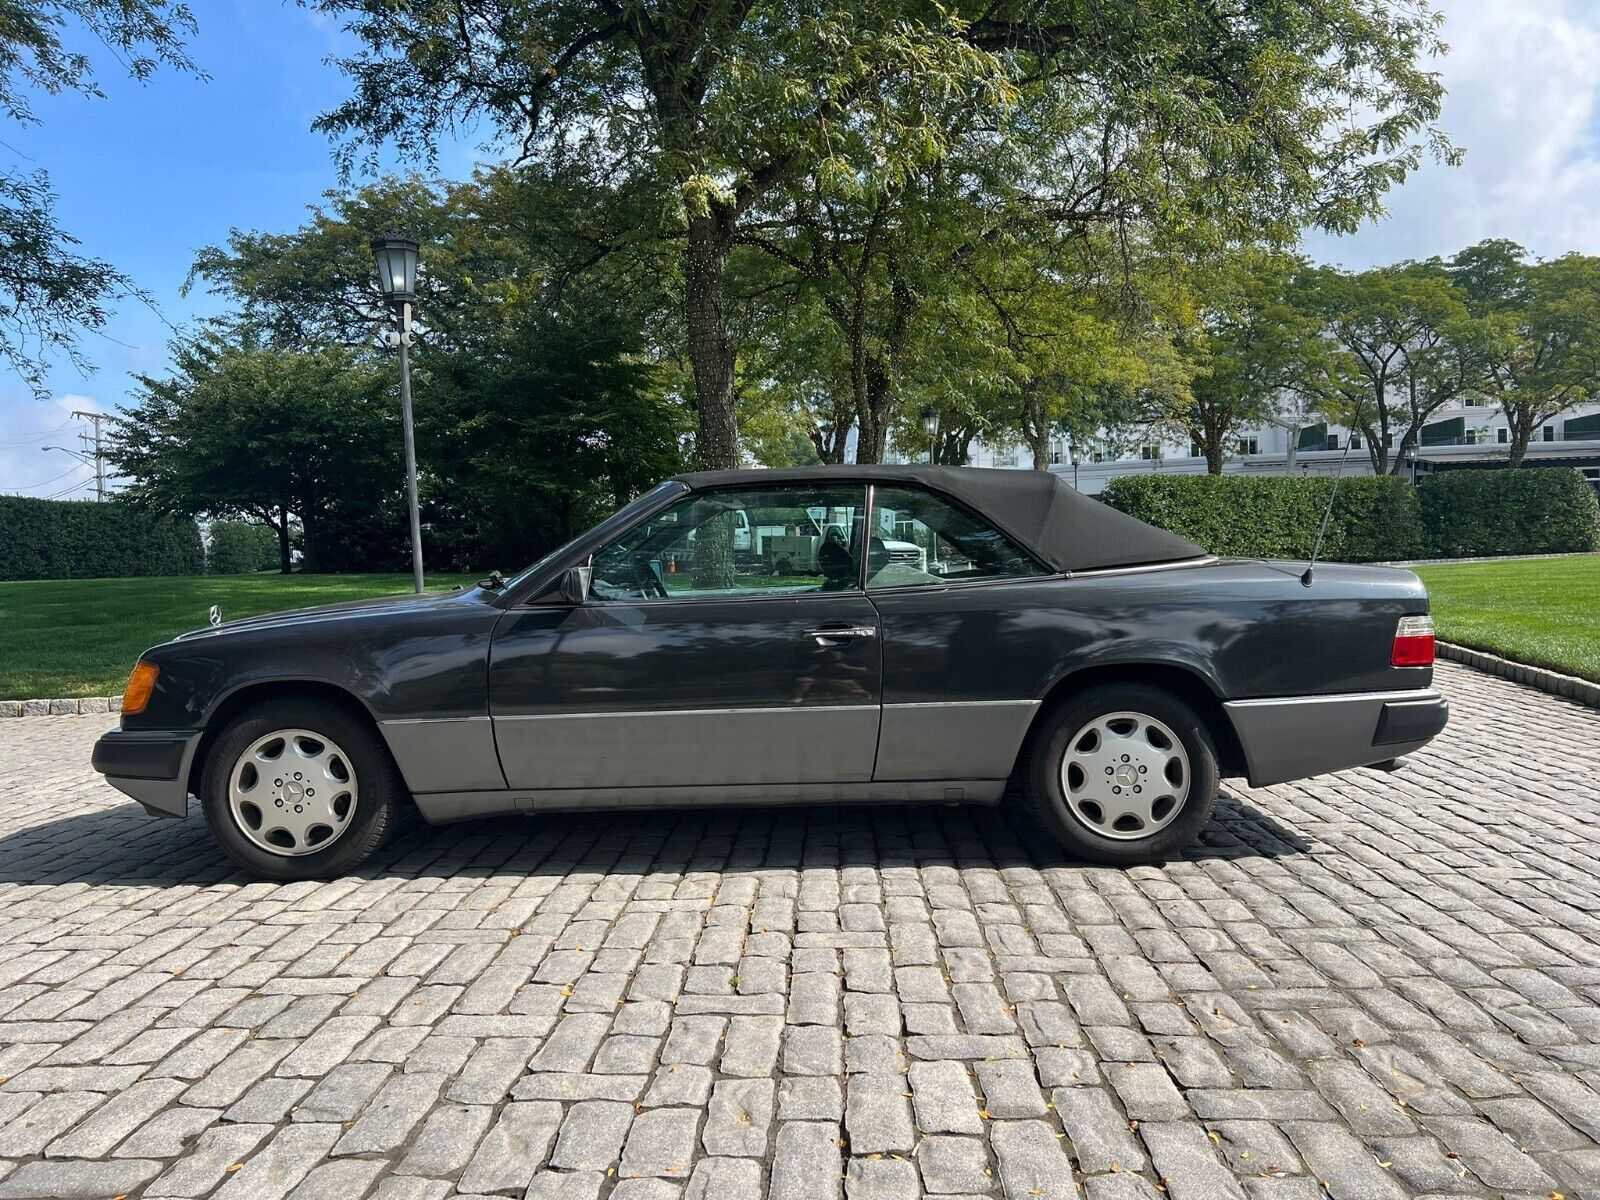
[(292, 792), (1125, 775)]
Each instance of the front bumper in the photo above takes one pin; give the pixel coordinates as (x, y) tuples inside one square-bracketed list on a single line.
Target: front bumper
[(153, 768), (1295, 737)]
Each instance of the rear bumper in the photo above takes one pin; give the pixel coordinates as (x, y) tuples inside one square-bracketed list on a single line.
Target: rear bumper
[(1294, 737), (153, 768)]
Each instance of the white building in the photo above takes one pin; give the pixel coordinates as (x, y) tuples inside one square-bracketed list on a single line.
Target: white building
[(1456, 437)]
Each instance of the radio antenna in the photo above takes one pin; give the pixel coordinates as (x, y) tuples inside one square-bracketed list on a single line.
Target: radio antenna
[(1333, 492)]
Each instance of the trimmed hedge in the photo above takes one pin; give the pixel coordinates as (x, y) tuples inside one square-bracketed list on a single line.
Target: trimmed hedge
[(1532, 510), (240, 548), (83, 539), (1277, 516)]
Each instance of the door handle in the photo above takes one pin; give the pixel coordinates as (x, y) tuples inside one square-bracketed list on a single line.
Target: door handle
[(840, 635)]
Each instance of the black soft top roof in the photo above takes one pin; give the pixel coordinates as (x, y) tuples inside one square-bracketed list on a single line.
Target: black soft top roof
[(1064, 528)]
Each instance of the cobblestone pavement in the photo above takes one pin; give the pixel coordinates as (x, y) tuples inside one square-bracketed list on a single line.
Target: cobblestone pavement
[(1370, 985)]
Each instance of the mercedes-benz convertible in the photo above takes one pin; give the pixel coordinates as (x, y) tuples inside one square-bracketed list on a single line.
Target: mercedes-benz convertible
[(831, 634)]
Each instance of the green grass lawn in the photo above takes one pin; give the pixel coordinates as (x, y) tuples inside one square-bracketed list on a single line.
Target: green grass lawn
[(80, 637), (1540, 611)]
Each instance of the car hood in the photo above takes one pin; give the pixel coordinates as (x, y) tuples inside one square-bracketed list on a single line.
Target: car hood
[(326, 612)]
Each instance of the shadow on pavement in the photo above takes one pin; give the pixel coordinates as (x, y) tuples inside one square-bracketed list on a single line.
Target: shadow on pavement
[(122, 846)]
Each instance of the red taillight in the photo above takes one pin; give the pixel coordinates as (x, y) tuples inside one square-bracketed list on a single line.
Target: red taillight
[(1413, 642)]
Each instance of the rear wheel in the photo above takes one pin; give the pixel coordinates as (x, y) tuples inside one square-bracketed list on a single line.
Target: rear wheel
[(1122, 774), (299, 789)]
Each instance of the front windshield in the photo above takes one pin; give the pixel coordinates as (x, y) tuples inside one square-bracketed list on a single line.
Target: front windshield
[(616, 520)]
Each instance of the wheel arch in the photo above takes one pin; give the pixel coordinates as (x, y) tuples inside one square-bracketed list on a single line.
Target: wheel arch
[(250, 694), (1178, 679)]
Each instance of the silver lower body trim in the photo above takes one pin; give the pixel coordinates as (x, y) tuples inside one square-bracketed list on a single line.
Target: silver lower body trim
[(442, 808), (434, 753), (1295, 737), (703, 747), (957, 739)]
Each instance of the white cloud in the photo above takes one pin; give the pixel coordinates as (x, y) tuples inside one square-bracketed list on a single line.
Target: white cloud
[(1523, 98)]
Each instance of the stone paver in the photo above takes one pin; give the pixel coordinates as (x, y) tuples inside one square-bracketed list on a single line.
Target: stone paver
[(1364, 986)]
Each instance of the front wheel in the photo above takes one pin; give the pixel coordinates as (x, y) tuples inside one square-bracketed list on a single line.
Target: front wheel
[(299, 789), (1122, 774)]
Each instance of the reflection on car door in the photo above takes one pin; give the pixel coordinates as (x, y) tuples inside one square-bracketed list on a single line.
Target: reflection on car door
[(678, 692), (776, 679), (960, 653)]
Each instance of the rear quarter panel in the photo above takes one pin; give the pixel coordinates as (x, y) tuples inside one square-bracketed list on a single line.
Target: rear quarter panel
[(1250, 629)]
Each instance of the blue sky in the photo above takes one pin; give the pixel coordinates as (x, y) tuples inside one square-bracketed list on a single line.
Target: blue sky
[(152, 173)]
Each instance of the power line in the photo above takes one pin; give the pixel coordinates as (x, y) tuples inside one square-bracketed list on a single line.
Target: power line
[(22, 439), (65, 491), (29, 486)]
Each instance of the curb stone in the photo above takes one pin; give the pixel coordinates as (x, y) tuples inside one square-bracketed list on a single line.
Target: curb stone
[(1569, 687), (68, 707)]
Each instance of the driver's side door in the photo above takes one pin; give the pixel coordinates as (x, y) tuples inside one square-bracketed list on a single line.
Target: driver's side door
[(693, 662)]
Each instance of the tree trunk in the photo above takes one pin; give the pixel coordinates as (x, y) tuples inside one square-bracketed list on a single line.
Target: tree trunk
[(1214, 447), (953, 448), (281, 528), (1400, 450), (1036, 431), (1039, 444), (1519, 446), (873, 411), (711, 350), (1520, 421), (1380, 444), (713, 553)]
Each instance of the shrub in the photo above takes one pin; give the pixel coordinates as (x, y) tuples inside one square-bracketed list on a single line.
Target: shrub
[(1545, 510), (84, 539), (240, 548), (1277, 516)]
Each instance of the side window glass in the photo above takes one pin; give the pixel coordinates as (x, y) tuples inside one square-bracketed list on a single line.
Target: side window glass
[(919, 539), (755, 542)]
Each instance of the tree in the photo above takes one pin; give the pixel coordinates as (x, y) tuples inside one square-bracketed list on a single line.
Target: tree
[(240, 547), (1403, 339), (49, 292), (715, 104), (1244, 345), (1538, 332), (541, 400), (288, 438), (534, 436), (1258, 118)]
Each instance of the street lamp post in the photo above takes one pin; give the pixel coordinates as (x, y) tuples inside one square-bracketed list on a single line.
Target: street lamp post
[(1072, 453), (930, 426), (396, 258)]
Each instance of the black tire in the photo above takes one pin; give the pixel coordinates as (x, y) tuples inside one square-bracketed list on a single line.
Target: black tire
[(381, 794), (1041, 801)]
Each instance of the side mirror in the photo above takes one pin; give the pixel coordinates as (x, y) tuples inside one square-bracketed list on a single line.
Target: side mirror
[(574, 585)]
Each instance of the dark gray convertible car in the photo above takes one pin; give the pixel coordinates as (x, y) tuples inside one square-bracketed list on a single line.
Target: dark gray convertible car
[(837, 634)]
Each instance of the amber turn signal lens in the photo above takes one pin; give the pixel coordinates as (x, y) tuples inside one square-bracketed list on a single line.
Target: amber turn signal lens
[(140, 684)]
